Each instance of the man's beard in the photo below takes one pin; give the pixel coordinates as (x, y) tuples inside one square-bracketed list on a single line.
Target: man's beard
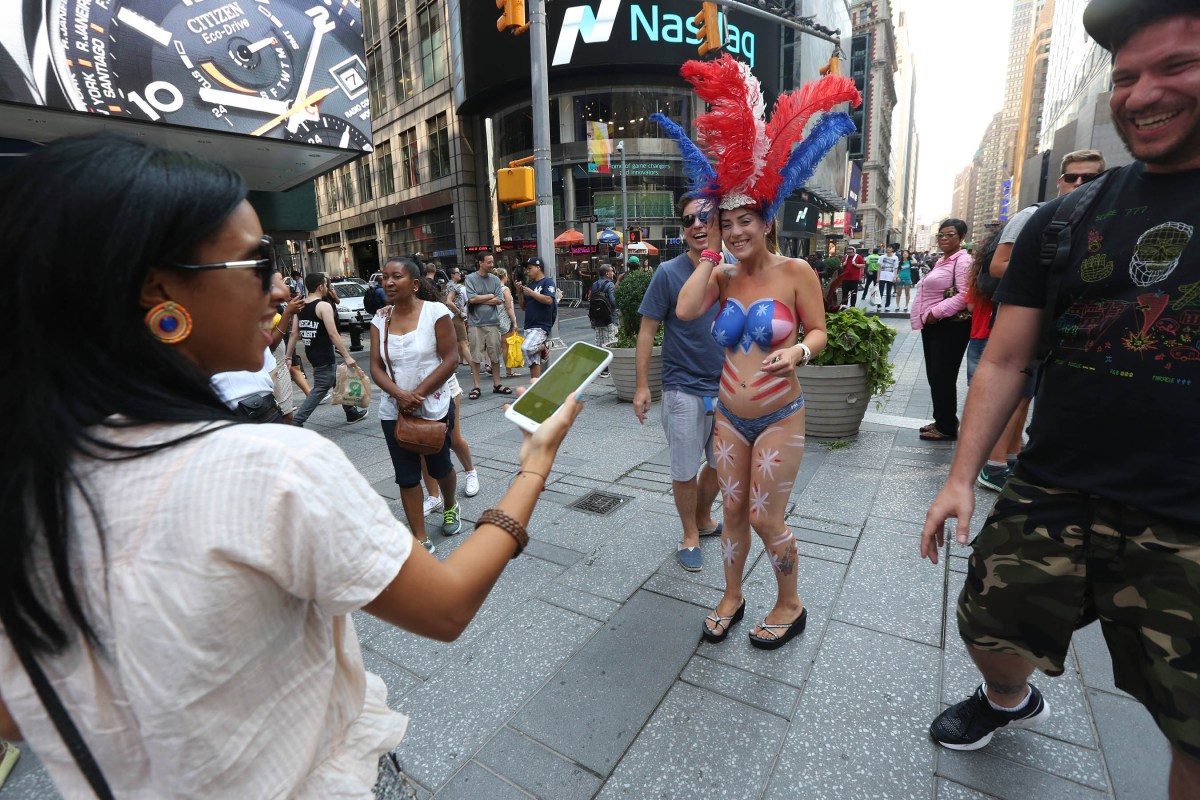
[(1184, 150)]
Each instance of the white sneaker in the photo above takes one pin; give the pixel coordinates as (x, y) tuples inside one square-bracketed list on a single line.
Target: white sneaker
[(432, 505), (472, 487), (325, 399)]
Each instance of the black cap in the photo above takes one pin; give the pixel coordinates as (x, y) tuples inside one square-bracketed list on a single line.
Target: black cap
[(1112, 22), (534, 261)]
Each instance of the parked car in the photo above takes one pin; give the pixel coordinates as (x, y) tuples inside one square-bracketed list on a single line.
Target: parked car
[(350, 310)]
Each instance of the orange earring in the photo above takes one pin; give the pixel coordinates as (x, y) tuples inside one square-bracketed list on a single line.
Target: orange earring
[(169, 322)]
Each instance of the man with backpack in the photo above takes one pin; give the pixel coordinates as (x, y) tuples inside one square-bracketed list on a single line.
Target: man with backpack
[(602, 307), (1078, 169), (1100, 519), (375, 298)]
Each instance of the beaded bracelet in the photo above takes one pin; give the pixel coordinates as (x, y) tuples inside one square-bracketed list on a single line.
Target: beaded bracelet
[(711, 255), (494, 516)]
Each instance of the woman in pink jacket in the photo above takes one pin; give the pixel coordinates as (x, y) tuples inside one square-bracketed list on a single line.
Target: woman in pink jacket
[(939, 312)]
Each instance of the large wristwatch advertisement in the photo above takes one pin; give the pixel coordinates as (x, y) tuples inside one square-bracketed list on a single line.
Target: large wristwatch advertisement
[(282, 69)]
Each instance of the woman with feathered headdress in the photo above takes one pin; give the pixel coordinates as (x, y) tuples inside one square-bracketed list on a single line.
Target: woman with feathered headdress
[(767, 300)]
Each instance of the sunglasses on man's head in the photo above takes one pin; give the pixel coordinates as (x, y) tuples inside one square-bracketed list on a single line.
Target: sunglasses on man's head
[(264, 264), (1078, 177)]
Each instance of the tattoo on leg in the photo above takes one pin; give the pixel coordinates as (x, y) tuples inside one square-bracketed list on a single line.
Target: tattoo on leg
[(785, 562)]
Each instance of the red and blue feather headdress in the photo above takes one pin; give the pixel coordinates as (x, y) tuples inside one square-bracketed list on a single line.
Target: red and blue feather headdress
[(757, 163)]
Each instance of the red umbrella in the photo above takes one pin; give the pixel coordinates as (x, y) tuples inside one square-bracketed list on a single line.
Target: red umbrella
[(568, 238)]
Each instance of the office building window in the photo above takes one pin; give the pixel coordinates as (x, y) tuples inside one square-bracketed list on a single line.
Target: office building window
[(348, 185), (396, 11), (433, 44), (376, 80), (383, 158), (409, 174), (366, 184), (402, 64), (439, 147)]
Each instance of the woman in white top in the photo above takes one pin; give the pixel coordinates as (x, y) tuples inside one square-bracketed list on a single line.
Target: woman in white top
[(178, 579), (413, 353)]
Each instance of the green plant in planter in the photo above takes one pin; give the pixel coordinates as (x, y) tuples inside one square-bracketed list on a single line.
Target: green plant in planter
[(830, 268), (855, 338), (629, 298)]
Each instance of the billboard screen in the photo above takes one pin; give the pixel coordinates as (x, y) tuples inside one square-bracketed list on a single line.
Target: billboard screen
[(279, 69), (601, 42)]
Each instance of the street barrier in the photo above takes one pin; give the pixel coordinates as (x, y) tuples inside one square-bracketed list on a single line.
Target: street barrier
[(572, 292)]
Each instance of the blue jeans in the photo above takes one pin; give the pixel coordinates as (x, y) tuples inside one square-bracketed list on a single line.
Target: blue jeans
[(323, 380)]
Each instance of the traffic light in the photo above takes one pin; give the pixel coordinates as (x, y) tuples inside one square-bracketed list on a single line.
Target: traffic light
[(708, 24), (831, 68), (635, 235), (512, 16), (514, 185)]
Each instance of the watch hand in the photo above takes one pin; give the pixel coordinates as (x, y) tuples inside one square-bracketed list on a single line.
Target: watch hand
[(302, 105), (260, 44), (243, 101), (321, 25)]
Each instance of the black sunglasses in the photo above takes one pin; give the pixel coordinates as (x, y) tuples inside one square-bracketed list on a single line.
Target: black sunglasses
[(689, 220), (264, 264), (1078, 177)]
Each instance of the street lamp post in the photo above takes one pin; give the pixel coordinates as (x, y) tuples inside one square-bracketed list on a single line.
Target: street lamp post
[(624, 211)]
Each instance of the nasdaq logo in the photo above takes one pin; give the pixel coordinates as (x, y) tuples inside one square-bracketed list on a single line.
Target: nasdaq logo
[(590, 26), (645, 24)]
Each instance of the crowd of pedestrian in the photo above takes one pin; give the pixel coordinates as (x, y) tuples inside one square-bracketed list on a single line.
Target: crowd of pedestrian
[(158, 516)]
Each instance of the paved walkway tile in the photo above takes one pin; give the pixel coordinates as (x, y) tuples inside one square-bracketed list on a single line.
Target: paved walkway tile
[(474, 782), (745, 687), (842, 495), (620, 563), (599, 700), (473, 694), (890, 590), (698, 745), (1007, 780), (1137, 753), (535, 768), (860, 728), (956, 791), (579, 601)]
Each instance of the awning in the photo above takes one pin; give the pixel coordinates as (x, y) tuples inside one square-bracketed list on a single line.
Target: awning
[(568, 238)]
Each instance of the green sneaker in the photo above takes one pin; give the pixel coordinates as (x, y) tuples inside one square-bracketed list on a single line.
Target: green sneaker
[(993, 478), (451, 524)]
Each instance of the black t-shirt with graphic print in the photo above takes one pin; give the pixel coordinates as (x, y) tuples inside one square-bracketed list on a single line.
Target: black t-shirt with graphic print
[(1118, 411)]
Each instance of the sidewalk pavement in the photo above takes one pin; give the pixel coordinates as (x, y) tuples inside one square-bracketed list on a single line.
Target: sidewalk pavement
[(584, 675)]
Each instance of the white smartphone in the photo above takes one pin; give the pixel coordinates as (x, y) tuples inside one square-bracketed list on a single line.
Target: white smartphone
[(572, 372)]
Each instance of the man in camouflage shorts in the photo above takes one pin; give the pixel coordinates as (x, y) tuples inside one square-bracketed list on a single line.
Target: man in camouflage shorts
[(1101, 519)]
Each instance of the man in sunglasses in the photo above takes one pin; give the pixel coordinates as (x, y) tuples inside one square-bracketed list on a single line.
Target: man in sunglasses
[(691, 369), (1101, 520), (316, 327)]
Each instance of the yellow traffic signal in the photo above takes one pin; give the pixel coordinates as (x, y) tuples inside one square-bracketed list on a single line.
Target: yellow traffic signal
[(515, 185), (512, 16), (831, 68), (708, 23)]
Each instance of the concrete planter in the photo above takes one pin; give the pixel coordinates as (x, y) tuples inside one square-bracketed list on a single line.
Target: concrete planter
[(623, 370), (835, 400)]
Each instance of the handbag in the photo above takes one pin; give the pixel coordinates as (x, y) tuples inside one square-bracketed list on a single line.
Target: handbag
[(965, 314), (421, 436)]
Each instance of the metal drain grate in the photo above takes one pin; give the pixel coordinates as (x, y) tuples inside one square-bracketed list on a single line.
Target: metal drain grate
[(600, 503)]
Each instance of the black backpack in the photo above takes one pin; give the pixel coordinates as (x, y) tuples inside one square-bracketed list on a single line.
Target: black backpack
[(373, 300), (600, 311)]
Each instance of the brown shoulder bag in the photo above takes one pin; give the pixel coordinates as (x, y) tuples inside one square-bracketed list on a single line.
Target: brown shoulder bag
[(421, 436)]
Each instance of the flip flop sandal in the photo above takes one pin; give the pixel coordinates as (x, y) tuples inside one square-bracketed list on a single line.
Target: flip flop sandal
[(474, 394), (501, 390), (722, 624), (775, 640)]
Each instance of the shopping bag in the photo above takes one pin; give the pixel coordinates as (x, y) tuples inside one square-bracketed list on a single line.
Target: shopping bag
[(513, 357), (873, 295), (352, 388)]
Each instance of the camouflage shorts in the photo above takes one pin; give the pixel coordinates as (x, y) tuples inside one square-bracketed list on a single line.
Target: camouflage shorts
[(1050, 561)]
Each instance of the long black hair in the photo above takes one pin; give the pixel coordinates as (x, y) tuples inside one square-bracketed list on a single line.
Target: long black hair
[(84, 219)]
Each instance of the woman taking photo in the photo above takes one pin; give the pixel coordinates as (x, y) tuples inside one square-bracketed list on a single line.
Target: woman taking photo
[(413, 353), (766, 301), (174, 576), (939, 312)]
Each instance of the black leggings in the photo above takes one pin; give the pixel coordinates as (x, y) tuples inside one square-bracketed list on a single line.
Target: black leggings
[(944, 343)]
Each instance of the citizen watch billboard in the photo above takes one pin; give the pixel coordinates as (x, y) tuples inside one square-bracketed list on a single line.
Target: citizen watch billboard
[(279, 69), (599, 43)]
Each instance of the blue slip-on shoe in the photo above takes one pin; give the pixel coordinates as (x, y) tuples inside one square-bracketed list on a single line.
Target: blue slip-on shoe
[(713, 531), (690, 558)]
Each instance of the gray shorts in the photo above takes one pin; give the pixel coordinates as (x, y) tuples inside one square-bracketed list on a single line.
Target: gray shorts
[(689, 433)]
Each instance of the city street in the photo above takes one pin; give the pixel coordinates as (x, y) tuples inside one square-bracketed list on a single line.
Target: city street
[(584, 674)]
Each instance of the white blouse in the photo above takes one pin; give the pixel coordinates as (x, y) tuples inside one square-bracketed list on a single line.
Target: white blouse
[(413, 356), (220, 591)]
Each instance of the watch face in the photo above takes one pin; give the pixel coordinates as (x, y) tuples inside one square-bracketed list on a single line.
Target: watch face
[(272, 68)]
